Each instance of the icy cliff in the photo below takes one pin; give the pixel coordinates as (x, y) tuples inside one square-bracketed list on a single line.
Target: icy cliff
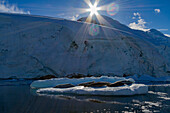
[(32, 46)]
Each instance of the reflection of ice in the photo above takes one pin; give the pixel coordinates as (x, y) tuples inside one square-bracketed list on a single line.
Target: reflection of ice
[(150, 104), (155, 100), (162, 85), (158, 93), (165, 98), (161, 95), (112, 9), (140, 103), (81, 98), (147, 106)]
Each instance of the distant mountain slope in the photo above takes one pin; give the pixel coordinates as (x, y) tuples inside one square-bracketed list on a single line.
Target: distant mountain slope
[(32, 46), (154, 36)]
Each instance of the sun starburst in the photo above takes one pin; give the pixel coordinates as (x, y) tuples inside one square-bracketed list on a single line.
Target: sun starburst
[(93, 9)]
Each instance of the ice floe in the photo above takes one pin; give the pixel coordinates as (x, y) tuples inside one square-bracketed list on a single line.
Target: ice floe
[(134, 89), (47, 86), (57, 81)]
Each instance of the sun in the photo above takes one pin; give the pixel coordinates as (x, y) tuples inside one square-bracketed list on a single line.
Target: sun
[(93, 9)]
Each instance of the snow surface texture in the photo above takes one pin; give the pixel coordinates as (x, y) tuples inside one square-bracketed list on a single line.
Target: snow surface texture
[(33, 46), (58, 81), (109, 91)]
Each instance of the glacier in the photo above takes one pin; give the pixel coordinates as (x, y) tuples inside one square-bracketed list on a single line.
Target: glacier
[(33, 46)]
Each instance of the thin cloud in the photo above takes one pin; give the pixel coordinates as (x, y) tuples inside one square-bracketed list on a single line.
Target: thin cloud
[(74, 18), (136, 14), (140, 24), (162, 29), (157, 10), (7, 8)]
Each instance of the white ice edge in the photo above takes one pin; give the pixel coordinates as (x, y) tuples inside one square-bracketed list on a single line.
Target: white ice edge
[(57, 81), (134, 89)]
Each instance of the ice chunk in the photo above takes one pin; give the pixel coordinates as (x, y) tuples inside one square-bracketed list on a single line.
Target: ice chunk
[(134, 89), (58, 81)]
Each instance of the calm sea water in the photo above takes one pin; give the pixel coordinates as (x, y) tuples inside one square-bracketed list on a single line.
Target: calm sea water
[(17, 97)]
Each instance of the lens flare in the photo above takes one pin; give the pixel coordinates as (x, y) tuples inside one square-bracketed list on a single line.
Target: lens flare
[(113, 9), (94, 30)]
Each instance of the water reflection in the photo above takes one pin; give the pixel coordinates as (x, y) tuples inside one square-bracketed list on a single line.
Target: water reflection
[(22, 99), (94, 99), (154, 101)]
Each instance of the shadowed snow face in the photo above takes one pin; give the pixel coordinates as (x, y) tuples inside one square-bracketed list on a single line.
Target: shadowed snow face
[(37, 46)]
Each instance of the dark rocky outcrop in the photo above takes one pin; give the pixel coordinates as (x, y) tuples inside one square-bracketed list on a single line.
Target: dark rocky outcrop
[(101, 84), (46, 77), (127, 82), (126, 75), (86, 84), (120, 83), (98, 84), (116, 84), (64, 86), (77, 76)]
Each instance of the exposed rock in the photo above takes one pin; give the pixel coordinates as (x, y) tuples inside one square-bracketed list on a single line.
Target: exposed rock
[(86, 84), (126, 75), (127, 82), (46, 77), (98, 84), (74, 45), (120, 83), (64, 86), (116, 84), (71, 76)]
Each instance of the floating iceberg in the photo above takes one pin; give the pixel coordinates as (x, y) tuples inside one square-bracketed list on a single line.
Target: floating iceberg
[(57, 81), (134, 89), (47, 86)]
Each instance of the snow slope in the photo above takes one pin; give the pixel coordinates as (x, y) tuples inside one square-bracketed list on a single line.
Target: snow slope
[(32, 46)]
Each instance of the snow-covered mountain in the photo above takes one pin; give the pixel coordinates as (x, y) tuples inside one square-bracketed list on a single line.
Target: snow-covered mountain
[(32, 46)]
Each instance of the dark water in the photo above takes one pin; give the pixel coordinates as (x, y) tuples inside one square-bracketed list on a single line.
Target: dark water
[(17, 97)]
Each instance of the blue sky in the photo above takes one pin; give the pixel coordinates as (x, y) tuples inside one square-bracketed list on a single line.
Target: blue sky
[(136, 13)]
